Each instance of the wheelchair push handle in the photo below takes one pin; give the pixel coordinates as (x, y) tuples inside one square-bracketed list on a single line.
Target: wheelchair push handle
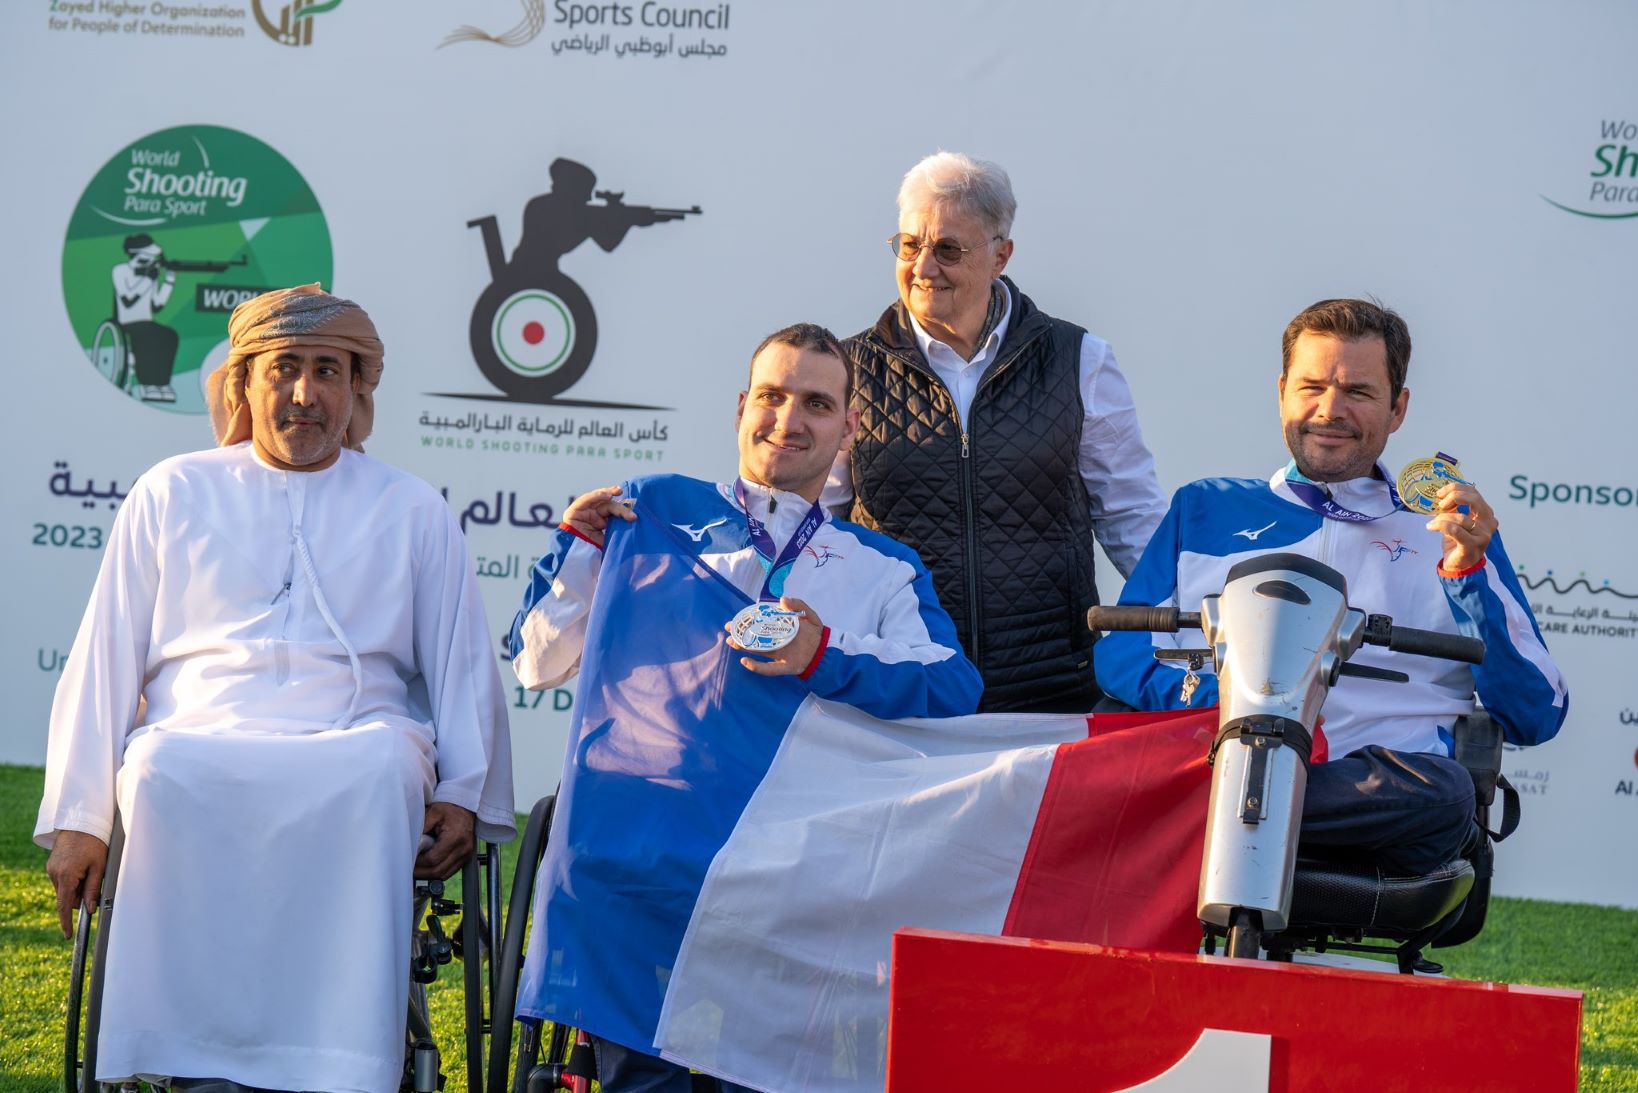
[(1151, 619), (1380, 630)]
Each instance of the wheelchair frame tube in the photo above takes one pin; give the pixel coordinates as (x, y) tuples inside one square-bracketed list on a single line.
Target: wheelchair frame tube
[(472, 952)]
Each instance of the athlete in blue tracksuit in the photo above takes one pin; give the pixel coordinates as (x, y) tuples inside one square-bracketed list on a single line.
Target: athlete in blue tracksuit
[(1390, 787), (871, 631)]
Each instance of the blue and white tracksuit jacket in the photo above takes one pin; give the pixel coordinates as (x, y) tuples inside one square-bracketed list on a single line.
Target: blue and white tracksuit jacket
[(889, 648), (1391, 568)]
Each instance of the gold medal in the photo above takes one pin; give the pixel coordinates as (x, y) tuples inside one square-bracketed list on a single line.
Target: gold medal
[(1422, 479)]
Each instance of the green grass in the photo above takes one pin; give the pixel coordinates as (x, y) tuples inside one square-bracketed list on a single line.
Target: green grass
[(1591, 949)]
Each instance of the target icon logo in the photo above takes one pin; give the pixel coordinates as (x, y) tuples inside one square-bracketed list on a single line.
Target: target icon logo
[(533, 332)]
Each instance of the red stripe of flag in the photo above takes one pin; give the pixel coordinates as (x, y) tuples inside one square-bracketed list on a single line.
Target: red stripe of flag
[(1115, 855)]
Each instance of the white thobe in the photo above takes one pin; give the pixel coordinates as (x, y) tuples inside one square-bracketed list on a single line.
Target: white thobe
[(316, 667)]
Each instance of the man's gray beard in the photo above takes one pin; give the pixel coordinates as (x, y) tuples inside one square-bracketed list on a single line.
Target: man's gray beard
[(331, 445)]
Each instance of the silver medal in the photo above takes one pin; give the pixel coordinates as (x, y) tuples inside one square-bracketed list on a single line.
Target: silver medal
[(765, 627)]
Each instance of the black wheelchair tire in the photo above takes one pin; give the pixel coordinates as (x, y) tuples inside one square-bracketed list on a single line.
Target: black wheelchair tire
[(76, 998), (79, 1069), (474, 948), (521, 387), (531, 848)]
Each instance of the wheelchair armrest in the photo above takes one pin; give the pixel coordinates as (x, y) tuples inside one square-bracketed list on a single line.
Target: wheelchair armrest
[(1479, 748)]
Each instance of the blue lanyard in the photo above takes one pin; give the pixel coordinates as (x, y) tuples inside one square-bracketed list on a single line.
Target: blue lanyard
[(1315, 498), (773, 585)]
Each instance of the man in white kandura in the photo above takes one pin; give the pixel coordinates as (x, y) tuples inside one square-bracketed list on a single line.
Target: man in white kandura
[(283, 680)]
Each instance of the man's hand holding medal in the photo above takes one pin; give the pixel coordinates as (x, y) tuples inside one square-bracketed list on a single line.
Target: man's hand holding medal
[(788, 634), (1460, 512), (1467, 523)]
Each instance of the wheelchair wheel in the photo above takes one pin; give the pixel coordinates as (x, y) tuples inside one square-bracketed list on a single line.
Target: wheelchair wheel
[(76, 997), (80, 1064), (531, 848), (476, 949), (111, 355)]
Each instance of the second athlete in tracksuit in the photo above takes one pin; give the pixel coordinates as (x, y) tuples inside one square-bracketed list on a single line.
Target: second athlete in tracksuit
[(1391, 786)]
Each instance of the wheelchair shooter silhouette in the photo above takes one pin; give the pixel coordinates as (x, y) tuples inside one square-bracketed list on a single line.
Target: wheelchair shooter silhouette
[(131, 348), (533, 330)]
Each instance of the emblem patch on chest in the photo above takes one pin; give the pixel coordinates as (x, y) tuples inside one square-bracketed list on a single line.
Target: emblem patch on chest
[(1396, 551), (821, 555)]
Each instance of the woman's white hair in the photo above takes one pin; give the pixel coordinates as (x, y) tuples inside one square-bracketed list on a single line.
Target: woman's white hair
[(973, 186)]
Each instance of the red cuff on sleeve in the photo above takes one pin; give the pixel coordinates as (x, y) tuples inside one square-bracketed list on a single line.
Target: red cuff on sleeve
[(1474, 568), (578, 534), (813, 665)]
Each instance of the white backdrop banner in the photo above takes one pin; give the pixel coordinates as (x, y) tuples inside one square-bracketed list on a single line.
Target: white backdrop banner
[(573, 221)]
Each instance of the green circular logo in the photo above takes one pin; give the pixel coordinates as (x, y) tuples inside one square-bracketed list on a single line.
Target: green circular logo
[(170, 236)]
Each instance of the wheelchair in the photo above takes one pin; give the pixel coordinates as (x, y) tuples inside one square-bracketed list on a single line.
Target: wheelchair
[(471, 940), (549, 1056), (111, 353), (1337, 904), (114, 355)]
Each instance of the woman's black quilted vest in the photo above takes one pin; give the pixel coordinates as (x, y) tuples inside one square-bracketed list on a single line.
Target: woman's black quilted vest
[(1000, 515)]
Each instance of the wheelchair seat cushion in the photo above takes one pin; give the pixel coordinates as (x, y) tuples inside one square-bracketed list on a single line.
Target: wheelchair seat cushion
[(1341, 897)]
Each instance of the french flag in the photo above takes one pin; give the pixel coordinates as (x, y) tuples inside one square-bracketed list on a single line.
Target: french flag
[(731, 855)]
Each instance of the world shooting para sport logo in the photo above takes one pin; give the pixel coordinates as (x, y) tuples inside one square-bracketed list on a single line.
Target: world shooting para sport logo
[(533, 330), (1609, 189), (173, 232)]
